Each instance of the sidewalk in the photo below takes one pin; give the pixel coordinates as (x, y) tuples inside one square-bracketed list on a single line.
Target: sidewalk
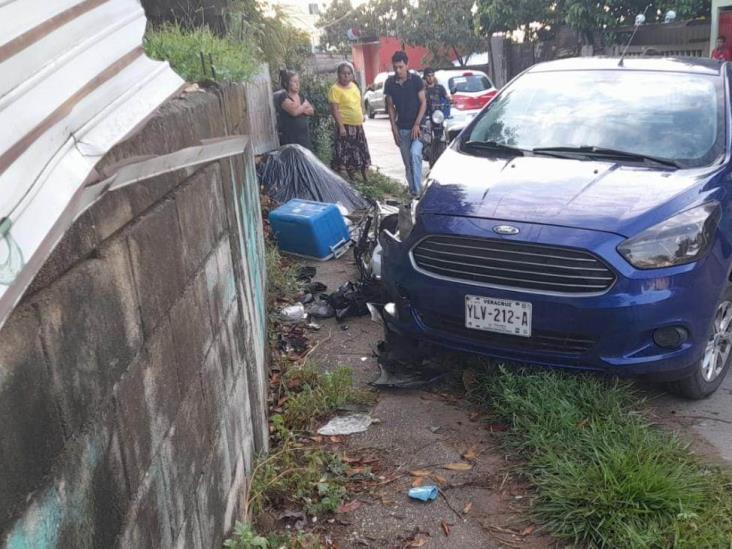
[(421, 430), (384, 153)]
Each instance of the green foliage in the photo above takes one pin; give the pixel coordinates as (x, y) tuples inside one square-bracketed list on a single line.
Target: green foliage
[(281, 276), (604, 476), (279, 43), (315, 89), (245, 538), (444, 31), (182, 48), (335, 22), (314, 395), (380, 186)]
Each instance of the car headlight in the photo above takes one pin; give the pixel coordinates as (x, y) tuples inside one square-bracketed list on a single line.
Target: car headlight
[(684, 238), (407, 219), (438, 117)]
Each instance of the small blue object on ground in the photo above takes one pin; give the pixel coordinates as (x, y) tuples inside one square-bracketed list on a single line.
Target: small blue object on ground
[(310, 229), (423, 493)]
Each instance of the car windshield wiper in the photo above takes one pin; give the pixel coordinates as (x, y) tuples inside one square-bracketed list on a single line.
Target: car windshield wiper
[(588, 150), (494, 146)]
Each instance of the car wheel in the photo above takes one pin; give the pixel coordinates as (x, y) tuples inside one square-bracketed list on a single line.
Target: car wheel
[(370, 111), (711, 369)]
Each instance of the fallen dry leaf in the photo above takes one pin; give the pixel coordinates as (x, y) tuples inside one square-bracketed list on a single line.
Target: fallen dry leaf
[(317, 438), (281, 401), (418, 481), (445, 528), (458, 466), (336, 439), (474, 416), (358, 471), (346, 459), (439, 479), (471, 454), (467, 508), (419, 541), (528, 530), (582, 424), (420, 473), (496, 427), (349, 507)]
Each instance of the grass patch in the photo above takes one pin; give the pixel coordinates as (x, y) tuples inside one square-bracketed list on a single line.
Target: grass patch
[(605, 477), (281, 274), (380, 186), (232, 60)]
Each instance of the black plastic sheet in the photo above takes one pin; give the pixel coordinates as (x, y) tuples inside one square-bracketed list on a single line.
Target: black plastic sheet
[(293, 171)]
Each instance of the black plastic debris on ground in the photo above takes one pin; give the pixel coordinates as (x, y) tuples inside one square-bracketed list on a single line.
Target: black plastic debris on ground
[(293, 171), (352, 298), (404, 364)]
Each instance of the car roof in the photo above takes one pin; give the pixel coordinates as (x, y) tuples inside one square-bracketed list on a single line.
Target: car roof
[(458, 72), (697, 65)]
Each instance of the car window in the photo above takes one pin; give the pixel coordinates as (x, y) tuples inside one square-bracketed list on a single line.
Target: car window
[(652, 113), (468, 84)]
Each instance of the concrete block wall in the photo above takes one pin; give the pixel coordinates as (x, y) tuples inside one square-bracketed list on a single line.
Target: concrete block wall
[(132, 374)]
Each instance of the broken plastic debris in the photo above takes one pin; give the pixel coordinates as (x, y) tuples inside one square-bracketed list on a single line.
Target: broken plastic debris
[(293, 313), (375, 314), (423, 493), (346, 425), (320, 309)]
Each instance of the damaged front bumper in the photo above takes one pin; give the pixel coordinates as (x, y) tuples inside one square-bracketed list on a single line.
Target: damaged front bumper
[(610, 332)]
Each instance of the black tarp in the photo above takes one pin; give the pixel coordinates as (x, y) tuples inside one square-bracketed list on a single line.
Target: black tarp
[(293, 171)]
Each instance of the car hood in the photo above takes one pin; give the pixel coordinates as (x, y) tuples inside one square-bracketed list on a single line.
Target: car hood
[(598, 195)]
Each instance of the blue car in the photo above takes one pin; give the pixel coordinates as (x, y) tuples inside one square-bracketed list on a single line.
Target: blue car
[(582, 220)]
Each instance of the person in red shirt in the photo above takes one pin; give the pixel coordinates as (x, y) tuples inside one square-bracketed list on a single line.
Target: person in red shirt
[(722, 52)]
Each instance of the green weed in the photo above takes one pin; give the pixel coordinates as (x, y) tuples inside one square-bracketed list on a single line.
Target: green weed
[(281, 275), (380, 186), (232, 60), (605, 477)]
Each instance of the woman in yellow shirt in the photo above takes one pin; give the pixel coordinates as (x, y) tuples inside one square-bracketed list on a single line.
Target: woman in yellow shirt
[(350, 149)]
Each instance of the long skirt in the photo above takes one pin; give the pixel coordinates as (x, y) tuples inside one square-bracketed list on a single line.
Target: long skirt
[(351, 152)]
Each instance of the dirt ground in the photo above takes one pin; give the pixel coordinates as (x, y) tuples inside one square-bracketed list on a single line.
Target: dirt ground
[(422, 431)]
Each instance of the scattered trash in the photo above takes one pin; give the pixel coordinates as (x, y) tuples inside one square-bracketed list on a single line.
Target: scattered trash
[(467, 508), (364, 358), (424, 493), (470, 454), (346, 425), (320, 309), (345, 327), (351, 299), (293, 171), (300, 519), (458, 466), (293, 313), (349, 507), (315, 287), (305, 273), (403, 365), (314, 326), (307, 298), (375, 313), (435, 429)]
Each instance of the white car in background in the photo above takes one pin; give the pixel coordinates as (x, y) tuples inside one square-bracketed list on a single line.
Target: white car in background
[(373, 100), (469, 91)]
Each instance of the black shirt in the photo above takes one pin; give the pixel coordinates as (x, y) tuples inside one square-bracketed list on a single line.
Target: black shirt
[(436, 95), (405, 97), (292, 129)]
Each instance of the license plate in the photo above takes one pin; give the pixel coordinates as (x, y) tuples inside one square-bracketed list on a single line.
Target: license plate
[(503, 316)]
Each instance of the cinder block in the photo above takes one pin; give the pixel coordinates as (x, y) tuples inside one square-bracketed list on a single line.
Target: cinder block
[(91, 330), (192, 335), (156, 252), (184, 455), (148, 521), (147, 401), (31, 431), (199, 217)]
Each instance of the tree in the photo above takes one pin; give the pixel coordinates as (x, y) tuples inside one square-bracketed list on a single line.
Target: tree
[(444, 31), (335, 23)]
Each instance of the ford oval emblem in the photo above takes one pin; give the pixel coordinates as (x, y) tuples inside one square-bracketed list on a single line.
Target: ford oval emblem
[(505, 229)]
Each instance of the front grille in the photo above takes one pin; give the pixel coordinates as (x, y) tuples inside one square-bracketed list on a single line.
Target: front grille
[(513, 264), (539, 341)]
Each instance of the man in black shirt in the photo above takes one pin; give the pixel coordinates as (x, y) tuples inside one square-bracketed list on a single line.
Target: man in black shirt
[(406, 103), (436, 93)]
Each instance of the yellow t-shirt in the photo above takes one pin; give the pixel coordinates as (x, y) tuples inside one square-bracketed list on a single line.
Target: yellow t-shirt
[(349, 103)]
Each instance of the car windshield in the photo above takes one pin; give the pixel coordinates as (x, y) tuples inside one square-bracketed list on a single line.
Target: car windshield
[(676, 116), (468, 83)]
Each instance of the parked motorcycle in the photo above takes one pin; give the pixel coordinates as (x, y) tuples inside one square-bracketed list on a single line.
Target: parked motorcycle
[(434, 136)]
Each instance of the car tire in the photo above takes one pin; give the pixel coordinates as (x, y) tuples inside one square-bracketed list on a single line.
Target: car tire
[(371, 113), (709, 371)]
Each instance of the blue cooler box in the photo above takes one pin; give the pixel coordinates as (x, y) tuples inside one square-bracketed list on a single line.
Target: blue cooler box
[(310, 229)]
